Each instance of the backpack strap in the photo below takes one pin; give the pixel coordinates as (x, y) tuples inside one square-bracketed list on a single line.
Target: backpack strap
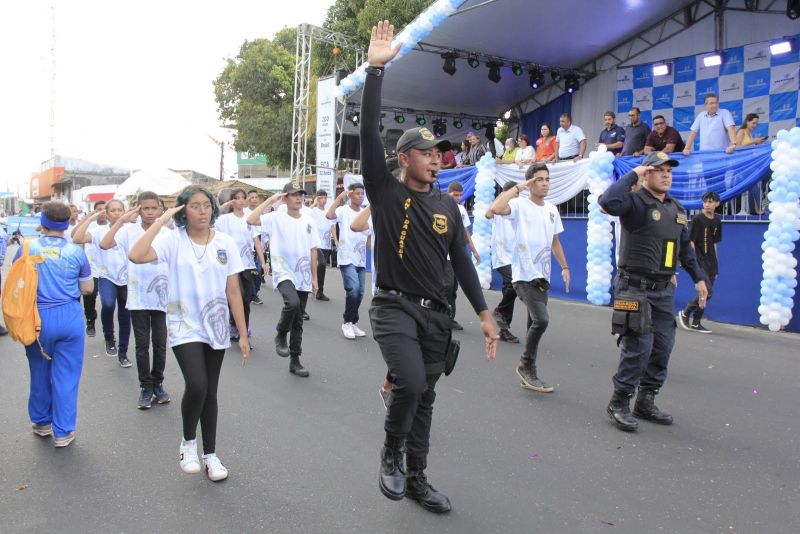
[(26, 247)]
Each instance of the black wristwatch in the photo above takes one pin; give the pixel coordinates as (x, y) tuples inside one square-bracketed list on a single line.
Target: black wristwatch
[(375, 71)]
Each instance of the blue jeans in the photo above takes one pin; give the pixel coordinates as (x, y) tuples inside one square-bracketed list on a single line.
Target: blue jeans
[(353, 279), (112, 295)]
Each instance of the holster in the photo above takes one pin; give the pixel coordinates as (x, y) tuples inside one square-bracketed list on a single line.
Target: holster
[(450, 359), (632, 315)]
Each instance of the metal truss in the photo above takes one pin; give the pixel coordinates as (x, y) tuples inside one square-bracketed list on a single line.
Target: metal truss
[(306, 35)]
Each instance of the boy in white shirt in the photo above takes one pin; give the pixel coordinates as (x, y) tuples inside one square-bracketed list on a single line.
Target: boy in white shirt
[(325, 230), (536, 227), (293, 246), (351, 255), (456, 190)]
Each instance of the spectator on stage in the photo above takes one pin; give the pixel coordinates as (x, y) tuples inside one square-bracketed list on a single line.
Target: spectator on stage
[(448, 156), (663, 138), (744, 137), (613, 136), (715, 127), (546, 145), (525, 154), (476, 150), (570, 140), (635, 134), (461, 152), (510, 152)]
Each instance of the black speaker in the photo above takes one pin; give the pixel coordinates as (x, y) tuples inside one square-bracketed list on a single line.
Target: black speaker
[(350, 146), (793, 9), (390, 140)]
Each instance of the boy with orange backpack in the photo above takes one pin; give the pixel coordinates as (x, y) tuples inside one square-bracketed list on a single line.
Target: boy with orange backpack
[(55, 359)]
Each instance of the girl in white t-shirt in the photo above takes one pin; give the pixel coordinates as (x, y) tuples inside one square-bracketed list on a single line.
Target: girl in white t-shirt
[(204, 267), (112, 271)]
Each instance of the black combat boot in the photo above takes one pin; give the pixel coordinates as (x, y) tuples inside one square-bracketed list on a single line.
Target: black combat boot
[(420, 490), (645, 407), (619, 410), (392, 476), (282, 345), (296, 368), (526, 370)]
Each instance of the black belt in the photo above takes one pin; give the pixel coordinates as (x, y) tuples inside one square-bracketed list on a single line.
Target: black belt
[(569, 157), (426, 303), (644, 283)]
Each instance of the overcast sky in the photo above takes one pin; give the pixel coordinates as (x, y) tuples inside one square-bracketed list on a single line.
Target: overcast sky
[(133, 79)]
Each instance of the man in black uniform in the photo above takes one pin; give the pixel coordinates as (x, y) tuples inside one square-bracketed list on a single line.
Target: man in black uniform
[(415, 227), (654, 235)]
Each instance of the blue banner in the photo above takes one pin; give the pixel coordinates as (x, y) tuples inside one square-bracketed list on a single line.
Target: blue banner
[(26, 225), (465, 175), (730, 175)]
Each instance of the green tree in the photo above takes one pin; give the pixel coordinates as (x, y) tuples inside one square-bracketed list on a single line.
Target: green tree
[(254, 96)]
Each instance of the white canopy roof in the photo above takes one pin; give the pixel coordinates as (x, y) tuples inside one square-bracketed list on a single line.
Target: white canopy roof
[(159, 181)]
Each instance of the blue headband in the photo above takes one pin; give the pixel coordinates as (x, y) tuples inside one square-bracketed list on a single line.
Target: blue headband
[(53, 225)]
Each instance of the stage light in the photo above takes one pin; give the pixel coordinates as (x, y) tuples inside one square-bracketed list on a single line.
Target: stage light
[(516, 68), (662, 69), (494, 70), (449, 63), (439, 127), (473, 61), (781, 47), (457, 123), (537, 78), (555, 75), (712, 61), (793, 9), (571, 83), (421, 120), (354, 117), (399, 118), (476, 125)]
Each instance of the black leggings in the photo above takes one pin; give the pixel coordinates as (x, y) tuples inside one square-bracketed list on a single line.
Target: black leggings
[(200, 365)]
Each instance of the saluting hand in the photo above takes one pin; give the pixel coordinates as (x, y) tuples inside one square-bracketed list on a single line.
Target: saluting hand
[(381, 51), (164, 219), (131, 215)]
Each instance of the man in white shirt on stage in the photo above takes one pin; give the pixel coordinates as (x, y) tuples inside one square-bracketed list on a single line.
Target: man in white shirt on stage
[(570, 140)]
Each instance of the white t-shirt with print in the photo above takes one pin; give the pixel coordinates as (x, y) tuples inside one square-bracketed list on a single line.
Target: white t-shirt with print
[(197, 305), (352, 245), (291, 241), (502, 241), (147, 282), (323, 227), (534, 229), (242, 233), (464, 215), (112, 264), (90, 248)]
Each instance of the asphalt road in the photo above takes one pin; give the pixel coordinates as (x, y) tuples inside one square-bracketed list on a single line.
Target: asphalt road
[(303, 453)]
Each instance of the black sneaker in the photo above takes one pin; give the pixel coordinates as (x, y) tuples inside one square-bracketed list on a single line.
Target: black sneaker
[(124, 362), (683, 320), (508, 337), (145, 398), (698, 327), (306, 317), (257, 300), (90, 331), (323, 297), (111, 348), (162, 397)]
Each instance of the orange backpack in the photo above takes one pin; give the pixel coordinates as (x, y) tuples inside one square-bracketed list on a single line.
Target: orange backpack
[(19, 299)]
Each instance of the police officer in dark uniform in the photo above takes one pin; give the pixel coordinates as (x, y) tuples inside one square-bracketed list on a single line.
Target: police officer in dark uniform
[(654, 237), (415, 227)]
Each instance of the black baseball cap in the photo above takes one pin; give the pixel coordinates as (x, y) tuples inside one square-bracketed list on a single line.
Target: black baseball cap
[(656, 159), (289, 189), (421, 139)]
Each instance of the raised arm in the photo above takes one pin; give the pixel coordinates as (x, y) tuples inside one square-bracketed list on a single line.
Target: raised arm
[(618, 199), (254, 217), (361, 222), (79, 234), (338, 201), (108, 240), (500, 204), (142, 251)]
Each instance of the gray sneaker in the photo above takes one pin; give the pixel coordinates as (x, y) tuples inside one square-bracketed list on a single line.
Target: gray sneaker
[(124, 361), (111, 348), (162, 397), (145, 398)]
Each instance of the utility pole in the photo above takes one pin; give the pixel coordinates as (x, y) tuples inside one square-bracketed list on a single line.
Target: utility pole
[(221, 145)]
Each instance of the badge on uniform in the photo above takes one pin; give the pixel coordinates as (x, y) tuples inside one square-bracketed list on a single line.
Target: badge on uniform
[(222, 256), (308, 229), (655, 214), (681, 219), (439, 223), (552, 218)]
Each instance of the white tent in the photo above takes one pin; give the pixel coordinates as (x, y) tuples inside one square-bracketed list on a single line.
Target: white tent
[(159, 181)]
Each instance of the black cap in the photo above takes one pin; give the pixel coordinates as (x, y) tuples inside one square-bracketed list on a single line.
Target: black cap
[(289, 189), (421, 139), (656, 159)]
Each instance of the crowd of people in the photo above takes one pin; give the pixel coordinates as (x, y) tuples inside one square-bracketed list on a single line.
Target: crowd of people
[(185, 277)]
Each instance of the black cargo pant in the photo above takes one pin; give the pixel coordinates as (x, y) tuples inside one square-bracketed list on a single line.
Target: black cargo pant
[(410, 337), (294, 304), (90, 304), (693, 311), (323, 258), (506, 306), (643, 359)]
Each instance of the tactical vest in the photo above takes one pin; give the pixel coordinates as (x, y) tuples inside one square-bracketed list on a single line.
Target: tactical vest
[(653, 248)]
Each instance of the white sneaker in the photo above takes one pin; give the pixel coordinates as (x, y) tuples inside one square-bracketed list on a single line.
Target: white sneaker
[(190, 463), (357, 331), (214, 468), (347, 330)]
